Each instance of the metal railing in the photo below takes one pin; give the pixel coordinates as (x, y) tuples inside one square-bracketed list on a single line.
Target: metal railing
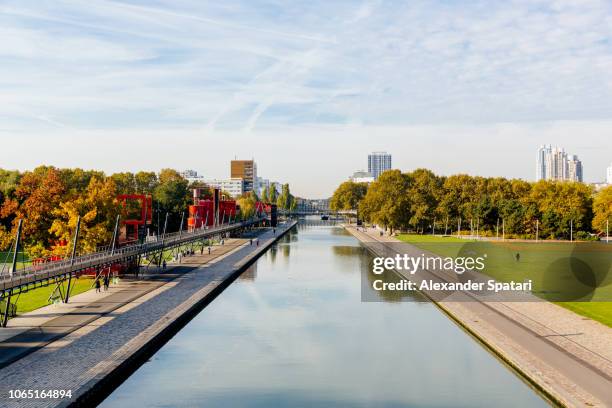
[(44, 271)]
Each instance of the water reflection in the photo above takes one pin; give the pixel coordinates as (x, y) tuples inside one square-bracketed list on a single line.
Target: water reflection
[(250, 274), (300, 336)]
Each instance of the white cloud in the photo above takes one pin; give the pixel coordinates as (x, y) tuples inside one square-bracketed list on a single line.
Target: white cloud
[(234, 71)]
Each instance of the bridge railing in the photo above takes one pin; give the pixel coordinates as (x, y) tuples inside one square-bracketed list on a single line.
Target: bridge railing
[(48, 270)]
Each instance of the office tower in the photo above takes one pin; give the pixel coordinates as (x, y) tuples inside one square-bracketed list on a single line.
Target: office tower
[(553, 163), (378, 162), (247, 171), (609, 175)]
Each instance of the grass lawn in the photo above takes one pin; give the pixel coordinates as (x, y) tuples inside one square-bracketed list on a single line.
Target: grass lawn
[(37, 298), (7, 258), (577, 276)]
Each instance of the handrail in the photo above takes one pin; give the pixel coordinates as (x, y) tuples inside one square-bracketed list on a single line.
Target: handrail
[(47, 270)]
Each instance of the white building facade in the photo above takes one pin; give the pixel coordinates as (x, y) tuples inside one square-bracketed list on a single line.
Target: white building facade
[(361, 176), (232, 186)]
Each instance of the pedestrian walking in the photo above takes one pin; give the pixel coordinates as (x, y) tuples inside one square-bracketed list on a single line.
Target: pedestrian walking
[(164, 264), (97, 285), (257, 241), (251, 241), (106, 283), (208, 250)]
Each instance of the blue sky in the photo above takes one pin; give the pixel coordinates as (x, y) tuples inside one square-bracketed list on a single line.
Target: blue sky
[(307, 88)]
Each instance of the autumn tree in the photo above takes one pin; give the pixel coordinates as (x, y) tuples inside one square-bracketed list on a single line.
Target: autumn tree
[(602, 209), (347, 196), (386, 202), (39, 193), (98, 208)]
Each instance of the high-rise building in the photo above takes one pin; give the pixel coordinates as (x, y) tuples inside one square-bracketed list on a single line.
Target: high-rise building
[(609, 175), (378, 162), (553, 163), (247, 171), (574, 168)]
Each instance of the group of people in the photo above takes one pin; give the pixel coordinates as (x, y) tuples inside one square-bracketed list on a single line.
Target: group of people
[(105, 282)]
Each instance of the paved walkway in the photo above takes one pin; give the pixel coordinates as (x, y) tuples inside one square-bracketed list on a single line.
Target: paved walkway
[(567, 355), (93, 347), (32, 331)]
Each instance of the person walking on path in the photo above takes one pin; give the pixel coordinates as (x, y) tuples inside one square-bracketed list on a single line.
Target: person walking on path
[(106, 283), (164, 264), (209, 250), (97, 284)]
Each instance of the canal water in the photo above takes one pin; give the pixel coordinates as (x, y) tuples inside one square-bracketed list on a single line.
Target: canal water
[(292, 331)]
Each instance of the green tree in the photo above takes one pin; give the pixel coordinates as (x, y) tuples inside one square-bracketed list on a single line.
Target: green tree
[(125, 182), (145, 182), (272, 194), (424, 190), (264, 194), (386, 202), (348, 196), (172, 196), (285, 199)]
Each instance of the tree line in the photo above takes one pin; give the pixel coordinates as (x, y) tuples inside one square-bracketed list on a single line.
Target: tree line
[(421, 201), (49, 200), (284, 201)]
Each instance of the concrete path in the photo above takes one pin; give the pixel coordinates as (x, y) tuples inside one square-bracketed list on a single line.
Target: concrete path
[(567, 356), (32, 331), (99, 354)]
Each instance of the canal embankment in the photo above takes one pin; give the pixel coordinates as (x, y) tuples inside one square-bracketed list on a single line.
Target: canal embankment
[(96, 355), (564, 356)]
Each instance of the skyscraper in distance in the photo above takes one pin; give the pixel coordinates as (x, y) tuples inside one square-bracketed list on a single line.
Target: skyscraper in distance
[(378, 162), (553, 163)]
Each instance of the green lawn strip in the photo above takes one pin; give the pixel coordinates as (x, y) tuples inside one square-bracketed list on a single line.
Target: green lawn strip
[(549, 265), (6, 258), (417, 238), (37, 298)]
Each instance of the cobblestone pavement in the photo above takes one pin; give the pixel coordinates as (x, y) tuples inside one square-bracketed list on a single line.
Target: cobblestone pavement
[(81, 358), (566, 355)]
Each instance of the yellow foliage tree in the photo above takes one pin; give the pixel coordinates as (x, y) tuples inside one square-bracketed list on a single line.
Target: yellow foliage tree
[(97, 207), (602, 207)]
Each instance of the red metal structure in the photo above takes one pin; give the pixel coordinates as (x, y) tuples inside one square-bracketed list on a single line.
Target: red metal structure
[(210, 212), (137, 212)]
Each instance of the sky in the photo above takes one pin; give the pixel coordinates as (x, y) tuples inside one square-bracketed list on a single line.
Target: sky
[(308, 88)]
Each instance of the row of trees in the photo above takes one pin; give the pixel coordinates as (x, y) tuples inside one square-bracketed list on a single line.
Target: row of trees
[(420, 200), (50, 200), (285, 201)]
